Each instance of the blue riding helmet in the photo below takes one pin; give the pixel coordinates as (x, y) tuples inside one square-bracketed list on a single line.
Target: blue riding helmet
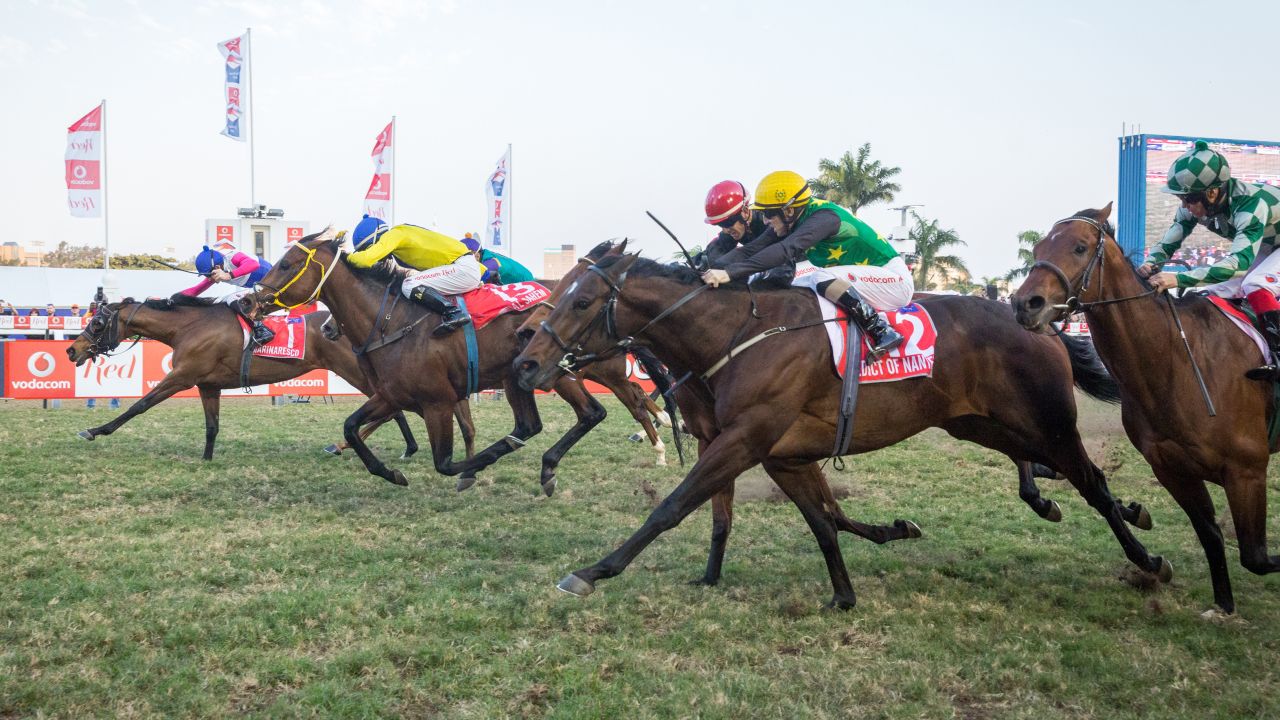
[(367, 231), (492, 270), (208, 259)]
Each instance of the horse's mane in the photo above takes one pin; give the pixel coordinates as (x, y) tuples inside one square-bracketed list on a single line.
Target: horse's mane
[(386, 272), (644, 267), (179, 300), (598, 251)]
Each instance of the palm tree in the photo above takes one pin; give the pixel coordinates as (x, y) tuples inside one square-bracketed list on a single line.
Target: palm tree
[(932, 267), (1027, 240), (855, 182)]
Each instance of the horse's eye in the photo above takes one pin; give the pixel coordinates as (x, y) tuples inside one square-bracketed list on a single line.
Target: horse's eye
[(582, 304), (1080, 249)]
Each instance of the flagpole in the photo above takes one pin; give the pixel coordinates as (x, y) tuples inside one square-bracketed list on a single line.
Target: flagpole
[(253, 90), (511, 213), (395, 140), (106, 234)]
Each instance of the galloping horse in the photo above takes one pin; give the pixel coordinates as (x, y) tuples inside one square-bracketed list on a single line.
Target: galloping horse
[(699, 418), (1079, 266), (410, 369), (992, 384), (207, 341)]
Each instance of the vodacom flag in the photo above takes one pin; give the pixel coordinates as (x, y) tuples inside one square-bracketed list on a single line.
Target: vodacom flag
[(84, 165), (377, 202)]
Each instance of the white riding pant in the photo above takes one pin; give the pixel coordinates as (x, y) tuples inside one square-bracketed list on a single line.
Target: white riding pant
[(884, 288), (1264, 275), (460, 276)]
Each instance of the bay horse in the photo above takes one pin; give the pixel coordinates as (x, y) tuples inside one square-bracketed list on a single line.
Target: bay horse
[(207, 341), (409, 369), (775, 402), (698, 412), (1078, 266)]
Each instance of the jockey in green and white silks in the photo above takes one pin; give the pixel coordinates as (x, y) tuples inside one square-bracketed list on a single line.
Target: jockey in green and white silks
[(833, 253), (1248, 214)]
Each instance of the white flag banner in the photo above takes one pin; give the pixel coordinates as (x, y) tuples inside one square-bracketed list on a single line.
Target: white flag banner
[(235, 95), (84, 165), (377, 202), (498, 191)]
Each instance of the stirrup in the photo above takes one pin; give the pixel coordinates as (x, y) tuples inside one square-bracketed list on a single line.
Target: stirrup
[(448, 325), (889, 340), (261, 334), (1268, 373)]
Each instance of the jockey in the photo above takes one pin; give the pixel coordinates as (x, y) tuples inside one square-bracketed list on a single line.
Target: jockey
[(239, 269), (728, 207), (498, 268), (835, 253), (444, 264), (1249, 214)]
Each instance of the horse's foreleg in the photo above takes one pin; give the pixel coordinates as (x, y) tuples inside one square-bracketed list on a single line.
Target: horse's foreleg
[(375, 408), (467, 425), (1030, 492), (728, 456), (1194, 499), (721, 526), (643, 409), (590, 413), (166, 387), (410, 442), (878, 534), (1247, 498), (210, 399)]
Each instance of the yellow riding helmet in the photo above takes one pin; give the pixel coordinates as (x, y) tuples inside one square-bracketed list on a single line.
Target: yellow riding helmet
[(781, 189)]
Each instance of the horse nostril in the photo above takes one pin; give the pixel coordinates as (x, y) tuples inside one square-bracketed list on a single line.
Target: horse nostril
[(529, 366), (1035, 302)]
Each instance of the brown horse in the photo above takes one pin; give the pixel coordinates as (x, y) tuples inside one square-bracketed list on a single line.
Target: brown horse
[(410, 369), (775, 403), (1080, 266), (207, 340), (700, 421)]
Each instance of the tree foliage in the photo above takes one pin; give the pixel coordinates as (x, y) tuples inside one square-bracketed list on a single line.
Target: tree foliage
[(1027, 240), (88, 256), (855, 182), (934, 269)]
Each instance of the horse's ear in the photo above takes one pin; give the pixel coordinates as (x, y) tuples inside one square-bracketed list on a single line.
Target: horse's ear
[(618, 249), (623, 265), (1105, 213), (328, 236)]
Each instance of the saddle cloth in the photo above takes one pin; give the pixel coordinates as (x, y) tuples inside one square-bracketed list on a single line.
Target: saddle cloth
[(490, 301), (913, 358), (1242, 321), (290, 342)]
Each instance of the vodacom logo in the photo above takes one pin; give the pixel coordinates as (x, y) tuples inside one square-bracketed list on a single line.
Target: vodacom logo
[(39, 358), (80, 172), (166, 363)]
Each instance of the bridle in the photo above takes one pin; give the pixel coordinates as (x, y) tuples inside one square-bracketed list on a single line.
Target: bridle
[(574, 356), (102, 343), (1073, 303), (324, 277)]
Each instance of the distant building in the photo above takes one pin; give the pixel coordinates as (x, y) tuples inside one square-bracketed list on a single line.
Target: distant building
[(557, 262), (11, 253)]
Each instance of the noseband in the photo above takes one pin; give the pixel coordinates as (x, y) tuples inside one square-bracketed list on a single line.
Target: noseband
[(101, 344), (1073, 303)]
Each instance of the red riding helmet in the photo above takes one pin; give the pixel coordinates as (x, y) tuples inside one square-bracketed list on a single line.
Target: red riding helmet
[(724, 199)]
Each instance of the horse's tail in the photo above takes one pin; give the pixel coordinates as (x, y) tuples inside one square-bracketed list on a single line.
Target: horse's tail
[(1087, 371), (664, 382)]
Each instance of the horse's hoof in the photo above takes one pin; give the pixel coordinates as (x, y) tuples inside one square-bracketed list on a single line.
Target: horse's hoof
[(842, 604), (1165, 573), (913, 530), (549, 486), (1144, 519), (662, 419), (1055, 512), (705, 582), (333, 449), (86, 435), (398, 478), (575, 585), (409, 453), (465, 482)]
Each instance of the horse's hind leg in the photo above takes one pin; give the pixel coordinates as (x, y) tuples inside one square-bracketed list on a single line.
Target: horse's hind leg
[(1030, 492), (721, 526), (375, 408), (440, 427), (1247, 498), (632, 397), (466, 425), (210, 399), (590, 413)]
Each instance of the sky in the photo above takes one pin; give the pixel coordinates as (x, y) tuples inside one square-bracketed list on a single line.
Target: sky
[(1003, 116)]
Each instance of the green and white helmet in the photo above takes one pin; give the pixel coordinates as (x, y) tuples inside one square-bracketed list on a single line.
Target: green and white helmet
[(1197, 170)]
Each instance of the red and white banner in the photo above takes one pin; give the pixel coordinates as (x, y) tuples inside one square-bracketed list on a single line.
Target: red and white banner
[(497, 190), (40, 370), (84, 165), (42, 322), (234, 93), (377, 202)]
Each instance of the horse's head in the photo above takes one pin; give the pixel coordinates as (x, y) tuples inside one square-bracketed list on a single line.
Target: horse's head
[(1068, 267), (102, 335), (605, 249), (581, 328), (296, 279)]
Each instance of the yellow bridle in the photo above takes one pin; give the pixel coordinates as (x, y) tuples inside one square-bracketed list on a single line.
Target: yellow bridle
[(324, 275)]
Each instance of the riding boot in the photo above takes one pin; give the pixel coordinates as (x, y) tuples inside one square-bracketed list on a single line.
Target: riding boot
[(261, 333), (452, 316), (1270, 322), (883, 337)]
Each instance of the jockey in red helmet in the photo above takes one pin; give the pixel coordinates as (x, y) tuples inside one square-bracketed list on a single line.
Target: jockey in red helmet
[(728, 207)]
